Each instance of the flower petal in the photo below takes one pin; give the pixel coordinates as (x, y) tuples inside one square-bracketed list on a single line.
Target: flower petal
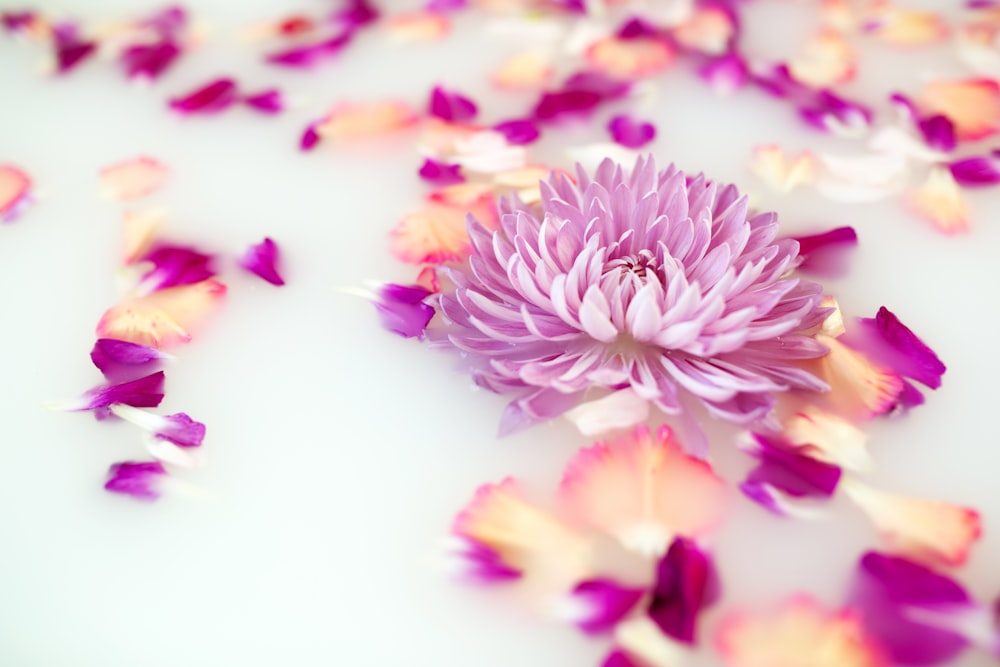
[(133, 179), (939, 201), (686, 583), (178, 428), (620, 409), (356, 120), (904, 27), (976, 171), (781, 173), (144, 392), (164, 318), (402, 310), (262, 260), (174, 265), (825, 253), (138, 231), (829, 59), (451, 106), (859, 388), (140, 479), (473, 561), (118, 359), (437, 233), (15, 189), (597, 605), (527, 70), (973, 105), (890, 342), (629, 58), (630, 132), (788, 469), (828, 438), (215, 96), (422, 26)]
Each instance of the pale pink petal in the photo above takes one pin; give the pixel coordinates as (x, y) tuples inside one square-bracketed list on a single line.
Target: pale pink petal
[(15, 188), (797, 633), (644, 490), (436, 233), (939, 201), (139, 230), (861, 178), (929, 530), (355, 120), (420, 26), (829, 59), (780, 172), (708, 30), (164, 318), (440, 139), (973, 105), (621, 409), (904, 27), (528, 70), (133, 179), (629, 58)]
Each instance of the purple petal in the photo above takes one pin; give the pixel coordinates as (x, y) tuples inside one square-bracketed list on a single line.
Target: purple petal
[(70, 48), (181, 430), (173, 266), (890, 342), (213, 97), (262, 260), (168, 21), (825, 253), (601, 603), (725, 74), (145, 392), (938, 132), (310, 54), (538, 406), (451, 106), (310, 138), (117, 359), (580, 93), (890, 592), (446, 5), (519, 131), (402, 310), (481, 564), (440, 173), (977, 171), (149, 61), (139, 479), (14, 22), (629, 132), (827, 110), (268, 101), (686, 582), (357, 14), (783, 468)]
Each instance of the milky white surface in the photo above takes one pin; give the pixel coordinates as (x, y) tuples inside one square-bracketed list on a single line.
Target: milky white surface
[(337, 453)]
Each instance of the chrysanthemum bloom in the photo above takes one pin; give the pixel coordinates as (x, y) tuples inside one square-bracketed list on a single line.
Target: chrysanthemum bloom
[(640, 279)]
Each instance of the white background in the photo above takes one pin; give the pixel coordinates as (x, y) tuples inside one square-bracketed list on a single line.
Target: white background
[(336, 453)]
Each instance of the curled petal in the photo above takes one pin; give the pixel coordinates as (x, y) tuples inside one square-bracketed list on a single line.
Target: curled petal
[(174, 265), (262, 260), (178, 429), (791, 471), (973, 105), (643, 489), (15, 188), (939, 201), (140, 479), (133, 179), (350, 120), (890, 342), (164, 318), (927, 530)]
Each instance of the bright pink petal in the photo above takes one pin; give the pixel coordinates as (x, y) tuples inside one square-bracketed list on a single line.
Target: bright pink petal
[(308, 55), (644, 490), (173, 266), (518, 132), (826, 253), (440, 173), (890, 342), (685, 584), (15, 189), (133, 179), (597, 605), (982, 170), (213, 97), (725, 74), (140, 479), (973, 105), (788, 469), (144, 392), (402, 310), (476, 562), (149, 61), (268, 102), (262, 260), (70, 48), (164, 318), (178, 429)]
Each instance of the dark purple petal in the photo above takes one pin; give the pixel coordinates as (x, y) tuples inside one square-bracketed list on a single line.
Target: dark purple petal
[(117, 359), (402, 310), (181, 430), (213, 97), (173, 266), (149, 61), (440, 173), (519, 131), (636, 28), (976, 171), (686, 582), (310, 54), (603, 603), (890, 342), (725, 74), (309, 139), (70, 48), (139, 479), (451, 106), (268, 101), (357, 14), (938, 132), (145, 392), (826, 253), (909, 397), (262, 260), (629, 132), (14, 22), (890, 592)]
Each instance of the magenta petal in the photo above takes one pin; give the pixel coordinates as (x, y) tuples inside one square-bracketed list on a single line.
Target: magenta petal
[(518, 132), (149, 61), (890, 342), (605, 602), (267, 102), (890, 591), (262, 260), (686, 583), (357, 14), (636, 28), (440, 173), (725, 74), (782, 468), (938, 132), (310, 54), (181, 430), (825, 253), (481, 564), (828, 109), (213, 97), (579, 94), (139, 479), (173, 266), (402, 310), (71, 51), (629, 132), (168, 21), (145, 392), (443, 6), (117, 359), (14, 22), (309, 139), (976, 171), (618, 658), (451, 106)]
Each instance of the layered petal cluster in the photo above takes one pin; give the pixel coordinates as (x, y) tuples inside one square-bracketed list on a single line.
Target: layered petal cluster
[(636, 278)]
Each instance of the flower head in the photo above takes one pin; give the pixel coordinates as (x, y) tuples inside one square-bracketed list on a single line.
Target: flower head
[(633, 278)]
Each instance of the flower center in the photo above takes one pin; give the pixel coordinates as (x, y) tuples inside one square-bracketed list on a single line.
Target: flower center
[(633, 266)]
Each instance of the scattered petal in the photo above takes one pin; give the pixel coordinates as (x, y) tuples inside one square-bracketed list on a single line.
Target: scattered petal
[(267, 102), (710, 29), (440, 173), (829, 438), (829, 59), (424, 26), (144, 392), (629, 59), (826, 253), (620, 409), (178, 428), (859, 388), (308, 55), (597, 605), (725, 74), (518, 132), (70, 48), (133, 179), (890, 342), (475, 562), (15, 192), (939, 201), (149, 61), (686, 583), (173, 266), (140, 479), (786, 468), (436, 233), (402, 310), (262, 260), (973, 105), (643, 644), (528, 70), (164, 318), (139, 230), (118, 359), (350, 120), (905, 27), (213, 97), (629, 132), (781, 173), (450, 106), (976, 171)]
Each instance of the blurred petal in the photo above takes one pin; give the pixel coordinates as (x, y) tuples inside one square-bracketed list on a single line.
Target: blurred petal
[(904, 27), (725, 74), (313, 53), (829, 59), (174, 265), (643, 644), (15, 188), (976, 171), (268, 101), (118, 359), (139, 229), (829, 438), (686, 583), (164, 318), (597, 605), (421, 26), (859, 388), (528, 70), (890, 342), (450, 106), (213, 97), (621, 409), (630, 132), (710, 29), (785, 467), (629, 58), (144, 392), (354, 120), (518, 131), (262, 260), (781, 173), (477, 563), (402, 310), (973, 105), (140, 479), (178, 428), (826, 253), (440, 173), (133, 179), (939, 201)]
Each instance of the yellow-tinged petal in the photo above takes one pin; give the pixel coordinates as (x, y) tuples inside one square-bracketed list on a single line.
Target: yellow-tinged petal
[(436, 233), (829, 59), (441, 140), (642, 640), (827, 437), (629, 58), (643, 489), (523, 182), (164, 318), (780, 172), (929, 530), (839, 15), (709, 30), (417, 26), (132, 179), (138, 231), (978, 47), (859, 389), (973, 105), (797, 633), (354, 120), (528, 70), (939, 201), (904, 27)]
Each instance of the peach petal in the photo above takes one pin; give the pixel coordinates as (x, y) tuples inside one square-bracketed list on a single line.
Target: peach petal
[(164, 318), (643, 489), (973, 105), (929, 530), (905, 27), (797, 633), (139, 230), (436, 233), (417, 27), (629, 58), (829, 59), (859, 389), (355, 120), (827, 437), (780, 172), (14, 187), (440, 139), (978, 48), (133, 179), (939, 201), (528, 70), (523, 182), (839, 15), (708, 30)]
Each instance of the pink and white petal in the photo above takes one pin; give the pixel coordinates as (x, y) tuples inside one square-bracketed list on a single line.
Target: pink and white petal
[(402, 310), (178, 428), (357, 120), (799, 632), (169, 453), (621, 409), (779, 502), (597, 605), (527, 70), (931, 531), (643, 489), (164, 318), (143, 480), (780, 172), (829, 59), (436, 233), (262, 260), (139, 230), (905, 27), (826, 253), (629, 59), (643, 644), (725, 74), (15, 189), (421, 26), (133, 179), (709, 29), (472, 561), (939, 201), (859, 388), (828, 437), (525, 537), (973, 105)]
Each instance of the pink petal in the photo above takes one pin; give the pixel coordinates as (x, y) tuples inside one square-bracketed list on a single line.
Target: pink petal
[(725, 74), (686, 583), (827, 437), (178, 428), (782, 173), (440, 173), (267, 102), (478, 563), (213, 97), (308, 55), (355, 120), (174, 266), (825, 254), (402, 310), (518, 132), (905, 27), (140, 479), (450, 106), (788, 469), (597, 605), (579, 94), (70, 48), (829, 59), (117, 359), (629, 132), (436, 233), (164, 318), (15, 188), (133, 179), (149, 61), (859, 387), (144, 392), (890, 342), (262, 260)]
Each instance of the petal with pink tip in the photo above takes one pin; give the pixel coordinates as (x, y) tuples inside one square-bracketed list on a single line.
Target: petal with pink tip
[(356, 120), (436, 233), (629, 59), (798, 633), (905, 27), (859, 388), (643, 489), (133, 179), (164, 318), (827, 437), (528, 70), (829, 59), (780, 172), (421, 26), (476, 562), (939, 201), (15, 188), (973, 105), (928, 530)]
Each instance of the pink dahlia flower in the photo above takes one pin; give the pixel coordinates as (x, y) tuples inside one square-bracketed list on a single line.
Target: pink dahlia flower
[(641, 279)]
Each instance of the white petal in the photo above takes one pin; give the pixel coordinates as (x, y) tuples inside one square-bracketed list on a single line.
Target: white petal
[(621, 409)]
